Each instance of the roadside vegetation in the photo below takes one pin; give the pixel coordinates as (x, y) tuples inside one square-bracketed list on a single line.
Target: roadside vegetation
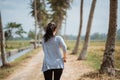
[(17, 44), (6, 71), (95, 56)]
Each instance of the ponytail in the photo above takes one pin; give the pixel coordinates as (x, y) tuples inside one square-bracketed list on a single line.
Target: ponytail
[(51, 27)]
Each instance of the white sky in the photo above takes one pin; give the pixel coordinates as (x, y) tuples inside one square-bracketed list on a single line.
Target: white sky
[(19, 11)]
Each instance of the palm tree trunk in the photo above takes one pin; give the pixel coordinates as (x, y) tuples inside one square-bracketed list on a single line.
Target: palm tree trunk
[(59, 24), (108, 58), (40, 31), (80, 29), (35, 44), (3, 56), (44, 3), (87, 36), (58, 27), (65, 27)]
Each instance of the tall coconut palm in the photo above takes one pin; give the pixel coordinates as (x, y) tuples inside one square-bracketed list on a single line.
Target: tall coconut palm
[(44, 4), (40, 14), (108, 58), (34, 13), (83, 53), (65, 28), (80, 28), (2, 44), (59, 8)]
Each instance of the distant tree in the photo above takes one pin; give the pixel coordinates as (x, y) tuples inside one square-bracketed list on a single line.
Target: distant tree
[(7, 35), (13, 29), (20, 31), (31, 34), (107, 65), (98, 36), (87, 36), (80, 29), (95, 36), (118, 34)]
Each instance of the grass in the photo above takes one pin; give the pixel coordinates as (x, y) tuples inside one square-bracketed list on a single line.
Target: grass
[(97, 76), (94, 59), (95, 53), (16, 44), (6, 71)]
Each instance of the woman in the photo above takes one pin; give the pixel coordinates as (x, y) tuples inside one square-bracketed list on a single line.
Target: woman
[(53, 63)]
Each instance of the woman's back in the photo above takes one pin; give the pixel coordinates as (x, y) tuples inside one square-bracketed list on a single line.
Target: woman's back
[(52, 56)]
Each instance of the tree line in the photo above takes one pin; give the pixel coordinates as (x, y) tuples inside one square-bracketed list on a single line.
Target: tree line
[(94, 36), (14, 30)]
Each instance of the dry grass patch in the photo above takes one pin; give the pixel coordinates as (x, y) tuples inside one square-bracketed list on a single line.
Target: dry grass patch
[(97, 76)]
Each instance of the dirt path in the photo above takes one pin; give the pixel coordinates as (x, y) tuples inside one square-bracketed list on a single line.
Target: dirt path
[(32, 70)]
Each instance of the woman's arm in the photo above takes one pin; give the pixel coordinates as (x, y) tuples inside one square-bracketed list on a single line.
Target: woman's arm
[(64, 48), (64, 57)]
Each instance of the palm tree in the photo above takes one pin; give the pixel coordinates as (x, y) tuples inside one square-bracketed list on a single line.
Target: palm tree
[(83, 53), (65, 28), (41, 12), (2, 45), (108, 58), (35, 15), (80, 28), (59, 8), (12, 29), (40, 15)]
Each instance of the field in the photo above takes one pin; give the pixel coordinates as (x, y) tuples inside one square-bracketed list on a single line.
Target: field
[(95, 53), (94, 59), (16, 45)]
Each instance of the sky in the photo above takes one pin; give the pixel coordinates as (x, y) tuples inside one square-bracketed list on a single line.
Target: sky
[(19, 11)]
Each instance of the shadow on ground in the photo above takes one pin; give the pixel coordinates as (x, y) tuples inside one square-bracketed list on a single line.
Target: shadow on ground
[(97, 76)]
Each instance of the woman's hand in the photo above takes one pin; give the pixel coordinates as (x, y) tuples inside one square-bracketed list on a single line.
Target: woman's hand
[(64, 59)]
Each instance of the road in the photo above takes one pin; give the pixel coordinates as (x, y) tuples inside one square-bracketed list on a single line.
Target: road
[(31, 70)]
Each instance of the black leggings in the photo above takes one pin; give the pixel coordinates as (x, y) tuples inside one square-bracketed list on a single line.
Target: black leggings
[(48, 75)]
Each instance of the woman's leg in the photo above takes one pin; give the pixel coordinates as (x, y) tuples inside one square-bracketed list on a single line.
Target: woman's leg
[(57, 74), (48, 75)]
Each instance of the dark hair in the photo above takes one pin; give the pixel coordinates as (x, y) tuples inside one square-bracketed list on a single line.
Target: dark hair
[(49, 31)]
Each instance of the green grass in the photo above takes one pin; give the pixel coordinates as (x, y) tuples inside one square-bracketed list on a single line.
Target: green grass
[(95, 53), (94, 58), (16, 44), (6, 71)]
